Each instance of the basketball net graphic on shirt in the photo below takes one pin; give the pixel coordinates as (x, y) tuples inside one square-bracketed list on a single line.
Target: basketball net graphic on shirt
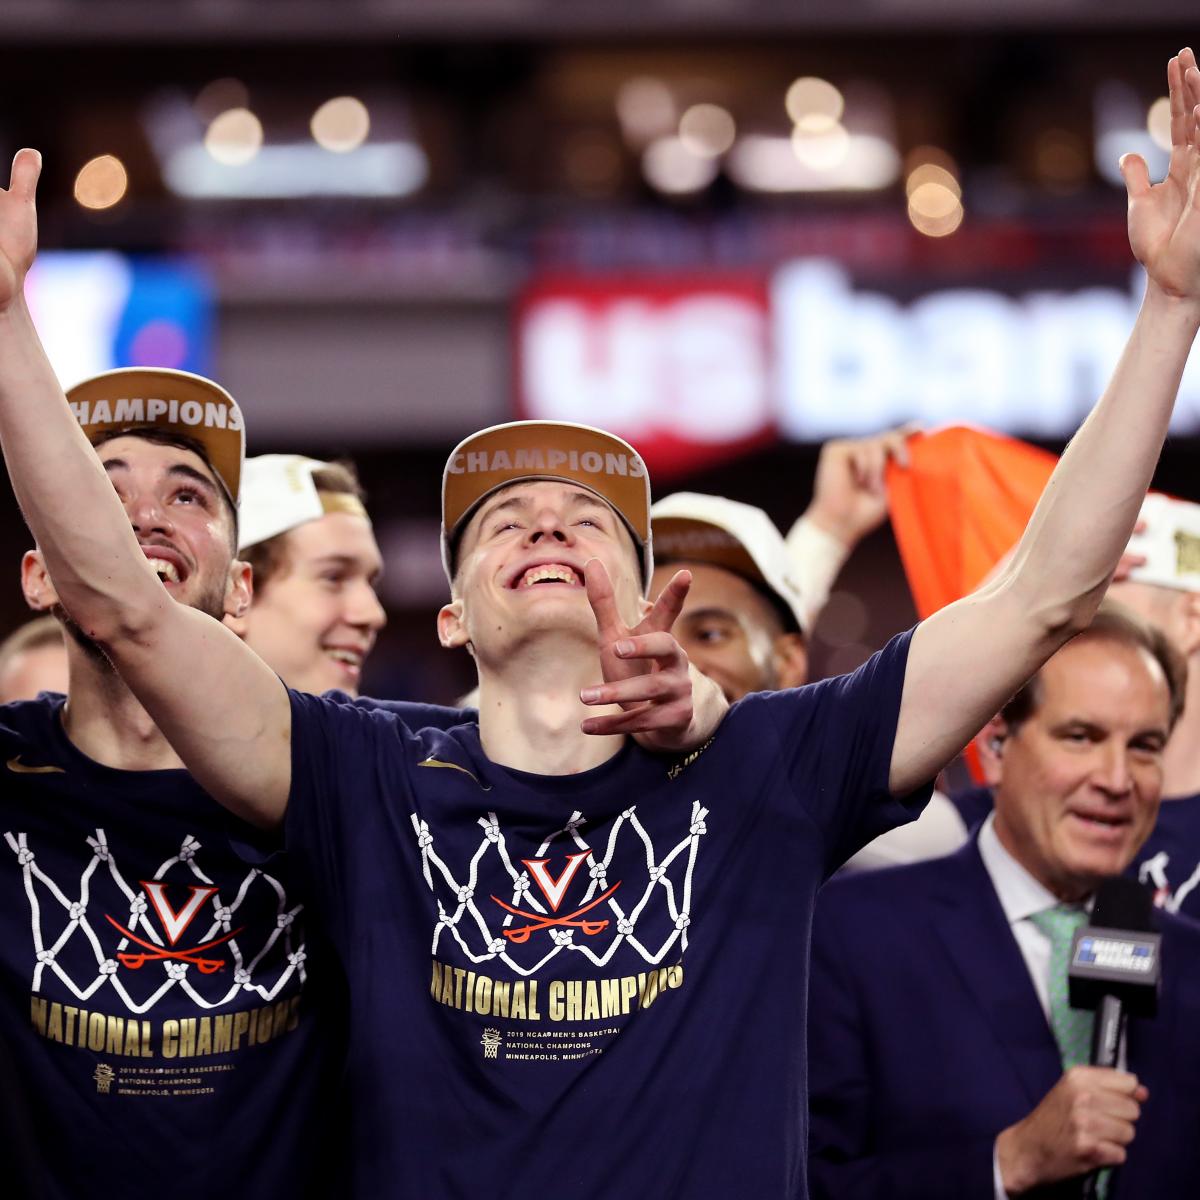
[(1154, 872), (561, 899), (175, 924), (153, 934)]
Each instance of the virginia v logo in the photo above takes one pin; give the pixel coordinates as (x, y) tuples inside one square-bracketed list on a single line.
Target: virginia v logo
[(555, 889), (175, 923)]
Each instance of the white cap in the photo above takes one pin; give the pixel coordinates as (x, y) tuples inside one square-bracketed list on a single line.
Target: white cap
[(689, 527), (1170, 543), (279, 493)]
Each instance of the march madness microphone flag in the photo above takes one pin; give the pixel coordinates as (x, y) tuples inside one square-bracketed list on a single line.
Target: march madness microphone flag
[(960, 507)]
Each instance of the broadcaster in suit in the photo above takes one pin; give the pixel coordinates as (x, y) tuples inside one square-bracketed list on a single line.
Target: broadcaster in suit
[(948, 1063)]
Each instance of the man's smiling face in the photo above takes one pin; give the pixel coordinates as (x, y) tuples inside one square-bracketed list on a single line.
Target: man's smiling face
[(315, 620), (1081, 777), (521, 561), (180, 516)]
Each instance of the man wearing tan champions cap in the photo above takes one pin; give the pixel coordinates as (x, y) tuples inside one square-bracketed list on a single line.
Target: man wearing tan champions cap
[(305, 532), (562, 949), (130, 930)]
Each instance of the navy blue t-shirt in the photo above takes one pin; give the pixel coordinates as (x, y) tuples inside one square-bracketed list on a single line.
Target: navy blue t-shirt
[(167, 1016), (590, 985)]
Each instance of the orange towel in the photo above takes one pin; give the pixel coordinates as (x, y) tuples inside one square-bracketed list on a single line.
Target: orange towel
[(960, 507), (958, 510)]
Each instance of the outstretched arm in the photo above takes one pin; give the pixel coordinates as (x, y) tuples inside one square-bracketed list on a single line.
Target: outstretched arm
[(221, 707), (968, 659)]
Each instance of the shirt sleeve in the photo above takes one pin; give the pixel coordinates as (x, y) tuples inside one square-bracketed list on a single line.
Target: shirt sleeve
[(347, 767), (415, 716), (835, 743)]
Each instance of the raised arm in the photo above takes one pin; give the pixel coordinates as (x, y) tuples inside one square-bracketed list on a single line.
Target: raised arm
[(970, 657), (220, 706), (849, 502)]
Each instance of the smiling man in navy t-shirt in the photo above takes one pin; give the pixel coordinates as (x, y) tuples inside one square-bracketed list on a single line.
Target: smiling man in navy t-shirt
[(167, 1013), (576, 968)]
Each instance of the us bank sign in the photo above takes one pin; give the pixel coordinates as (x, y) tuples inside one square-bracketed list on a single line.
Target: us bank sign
[(684, 366)]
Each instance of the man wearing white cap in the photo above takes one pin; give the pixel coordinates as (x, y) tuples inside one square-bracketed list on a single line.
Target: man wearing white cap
[(743, 623), (747, 613), (315, 563), (566, 954), (755, 596), (158, 994)]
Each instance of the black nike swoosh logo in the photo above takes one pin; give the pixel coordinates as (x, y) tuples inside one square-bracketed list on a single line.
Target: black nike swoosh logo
[(18, 767)]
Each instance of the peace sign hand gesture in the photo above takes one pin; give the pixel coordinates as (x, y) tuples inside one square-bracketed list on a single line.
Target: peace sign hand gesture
[(667, 704), (1164, 218), (18, 226)]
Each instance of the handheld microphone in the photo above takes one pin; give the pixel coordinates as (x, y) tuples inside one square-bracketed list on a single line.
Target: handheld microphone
[(1115, 970)]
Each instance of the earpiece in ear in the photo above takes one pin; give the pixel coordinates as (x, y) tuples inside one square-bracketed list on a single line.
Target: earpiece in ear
[(996, 744)]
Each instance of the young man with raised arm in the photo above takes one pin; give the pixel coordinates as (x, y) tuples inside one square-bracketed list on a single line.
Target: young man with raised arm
[(163, 1001), (575, 968)]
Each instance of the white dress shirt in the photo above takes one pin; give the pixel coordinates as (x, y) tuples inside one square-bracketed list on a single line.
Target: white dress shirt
[(1020, 896)]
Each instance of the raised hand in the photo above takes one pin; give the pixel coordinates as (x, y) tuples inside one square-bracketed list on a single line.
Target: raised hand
[(647, 672), (1164, 218), (18, 225), (849, 496)]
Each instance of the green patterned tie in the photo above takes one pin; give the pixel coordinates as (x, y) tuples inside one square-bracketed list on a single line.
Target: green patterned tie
[(1072, 1026)]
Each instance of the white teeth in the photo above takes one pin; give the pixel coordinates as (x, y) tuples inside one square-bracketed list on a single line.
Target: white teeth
[(557, 572), (165, 570), (346, 656)]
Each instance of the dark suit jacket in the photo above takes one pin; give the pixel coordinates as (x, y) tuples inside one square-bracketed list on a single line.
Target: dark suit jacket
[(926, 1039)]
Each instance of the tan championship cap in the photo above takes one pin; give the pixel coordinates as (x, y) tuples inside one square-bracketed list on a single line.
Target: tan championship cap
[(690, 527), (559, 450), (161, 398)]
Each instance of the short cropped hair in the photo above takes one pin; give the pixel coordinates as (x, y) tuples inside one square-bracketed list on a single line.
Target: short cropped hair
[(269, 558), (33, 635), (168, 437), (1116, 623)]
